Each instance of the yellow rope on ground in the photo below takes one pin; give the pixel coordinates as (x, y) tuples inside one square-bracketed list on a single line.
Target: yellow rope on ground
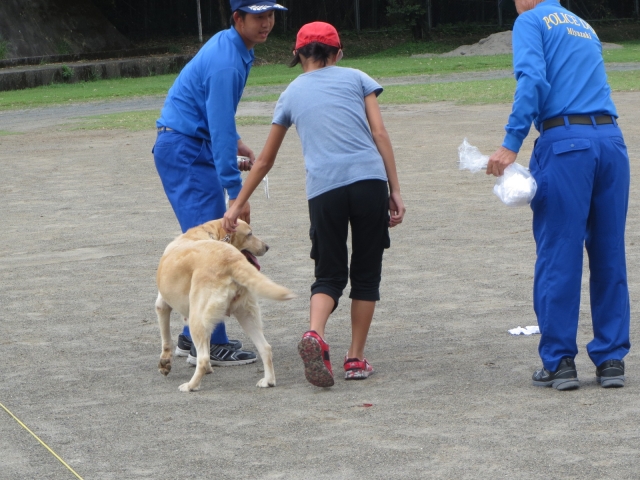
[(43, 444)]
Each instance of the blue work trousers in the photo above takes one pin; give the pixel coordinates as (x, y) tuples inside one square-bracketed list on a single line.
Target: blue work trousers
[(189, 177), (582, 172), (191, 182)]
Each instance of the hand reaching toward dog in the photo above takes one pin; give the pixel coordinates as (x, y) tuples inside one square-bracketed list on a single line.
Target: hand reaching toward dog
[(230, 219)]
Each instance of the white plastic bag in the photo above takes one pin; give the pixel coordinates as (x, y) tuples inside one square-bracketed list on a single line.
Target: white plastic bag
[(516, 187), (470, 158)]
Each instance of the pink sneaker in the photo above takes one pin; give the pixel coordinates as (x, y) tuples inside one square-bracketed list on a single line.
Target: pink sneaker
[(355, 369), (314, 352)]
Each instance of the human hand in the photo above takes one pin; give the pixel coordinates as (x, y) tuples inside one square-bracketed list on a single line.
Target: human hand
[(396, 209), (230, 219), (501, 159), (245, 164), (243, 212)]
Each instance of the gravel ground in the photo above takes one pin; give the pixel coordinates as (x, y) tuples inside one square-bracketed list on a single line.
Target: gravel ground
[(86, 221)]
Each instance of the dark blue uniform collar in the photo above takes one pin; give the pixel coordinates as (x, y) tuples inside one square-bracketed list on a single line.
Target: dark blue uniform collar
[(247, 55)]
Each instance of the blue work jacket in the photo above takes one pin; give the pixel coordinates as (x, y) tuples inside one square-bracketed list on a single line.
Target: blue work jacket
[(203, 100), (558, 64)]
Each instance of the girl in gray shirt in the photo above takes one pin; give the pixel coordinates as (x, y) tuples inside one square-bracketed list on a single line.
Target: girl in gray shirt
[(351, 180)]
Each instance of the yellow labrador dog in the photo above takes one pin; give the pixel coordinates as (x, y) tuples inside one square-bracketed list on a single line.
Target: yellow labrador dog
[(204, 275)]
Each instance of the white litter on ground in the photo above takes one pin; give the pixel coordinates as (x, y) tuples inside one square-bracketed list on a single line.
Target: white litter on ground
[(530, 330)]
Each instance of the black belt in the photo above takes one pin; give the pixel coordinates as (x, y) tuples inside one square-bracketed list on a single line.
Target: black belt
[(165, 129), (577, 120)]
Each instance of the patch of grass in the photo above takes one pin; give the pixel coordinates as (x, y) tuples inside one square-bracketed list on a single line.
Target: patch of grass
[(630, 52), (380, 67), (109, 89), (624, 81), (142, 120), (67, 73), (4, 133), (377, 66), (478, 92), (483, 91), (272, 75), (394, 67)]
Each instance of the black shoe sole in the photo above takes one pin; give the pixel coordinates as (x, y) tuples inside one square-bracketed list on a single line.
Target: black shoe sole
[(561, 384)]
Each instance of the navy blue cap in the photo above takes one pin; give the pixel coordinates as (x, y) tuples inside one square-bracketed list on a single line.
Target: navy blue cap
[(255, 6)]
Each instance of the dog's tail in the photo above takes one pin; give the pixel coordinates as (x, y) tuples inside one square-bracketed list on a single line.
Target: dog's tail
[(259, 284)]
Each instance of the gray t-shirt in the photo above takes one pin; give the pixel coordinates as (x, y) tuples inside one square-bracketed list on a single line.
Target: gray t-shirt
[(327, 108)]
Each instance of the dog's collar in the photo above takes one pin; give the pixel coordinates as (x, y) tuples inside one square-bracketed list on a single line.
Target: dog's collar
[(226, 239)]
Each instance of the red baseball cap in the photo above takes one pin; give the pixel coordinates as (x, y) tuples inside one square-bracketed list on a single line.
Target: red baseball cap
[(320, 32)]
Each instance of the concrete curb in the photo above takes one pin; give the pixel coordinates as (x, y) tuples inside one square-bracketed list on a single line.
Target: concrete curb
[(35, 76), (83, 57)]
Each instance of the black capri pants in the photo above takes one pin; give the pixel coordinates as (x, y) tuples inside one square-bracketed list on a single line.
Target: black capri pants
[(364, 205)]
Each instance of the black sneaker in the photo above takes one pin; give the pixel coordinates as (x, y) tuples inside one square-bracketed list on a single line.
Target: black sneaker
[(564, 378), (185, 344), (223, 356), (610, 374)]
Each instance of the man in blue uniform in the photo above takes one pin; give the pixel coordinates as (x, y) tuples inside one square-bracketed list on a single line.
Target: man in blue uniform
[(197, 145), (581, 166)]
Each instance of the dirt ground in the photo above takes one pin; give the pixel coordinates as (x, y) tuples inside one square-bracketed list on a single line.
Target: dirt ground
[(85, 222)]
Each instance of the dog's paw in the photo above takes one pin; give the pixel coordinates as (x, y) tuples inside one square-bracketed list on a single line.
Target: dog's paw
[(185, 388), (164, 366), (264, 383)]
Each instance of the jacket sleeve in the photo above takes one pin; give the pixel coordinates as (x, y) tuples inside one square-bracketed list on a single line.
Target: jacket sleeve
[(223, 90), (530, 71)]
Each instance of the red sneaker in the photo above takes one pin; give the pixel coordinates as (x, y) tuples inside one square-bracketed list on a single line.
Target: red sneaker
[(355, 369), (314, 352)]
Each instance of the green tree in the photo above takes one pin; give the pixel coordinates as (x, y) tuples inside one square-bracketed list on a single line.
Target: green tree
[(409, 13)]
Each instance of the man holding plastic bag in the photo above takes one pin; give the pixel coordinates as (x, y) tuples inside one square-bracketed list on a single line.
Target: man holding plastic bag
[(581, 168)]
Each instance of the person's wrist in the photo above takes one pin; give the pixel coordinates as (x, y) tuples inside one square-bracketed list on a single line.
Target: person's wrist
[(512, 143)]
